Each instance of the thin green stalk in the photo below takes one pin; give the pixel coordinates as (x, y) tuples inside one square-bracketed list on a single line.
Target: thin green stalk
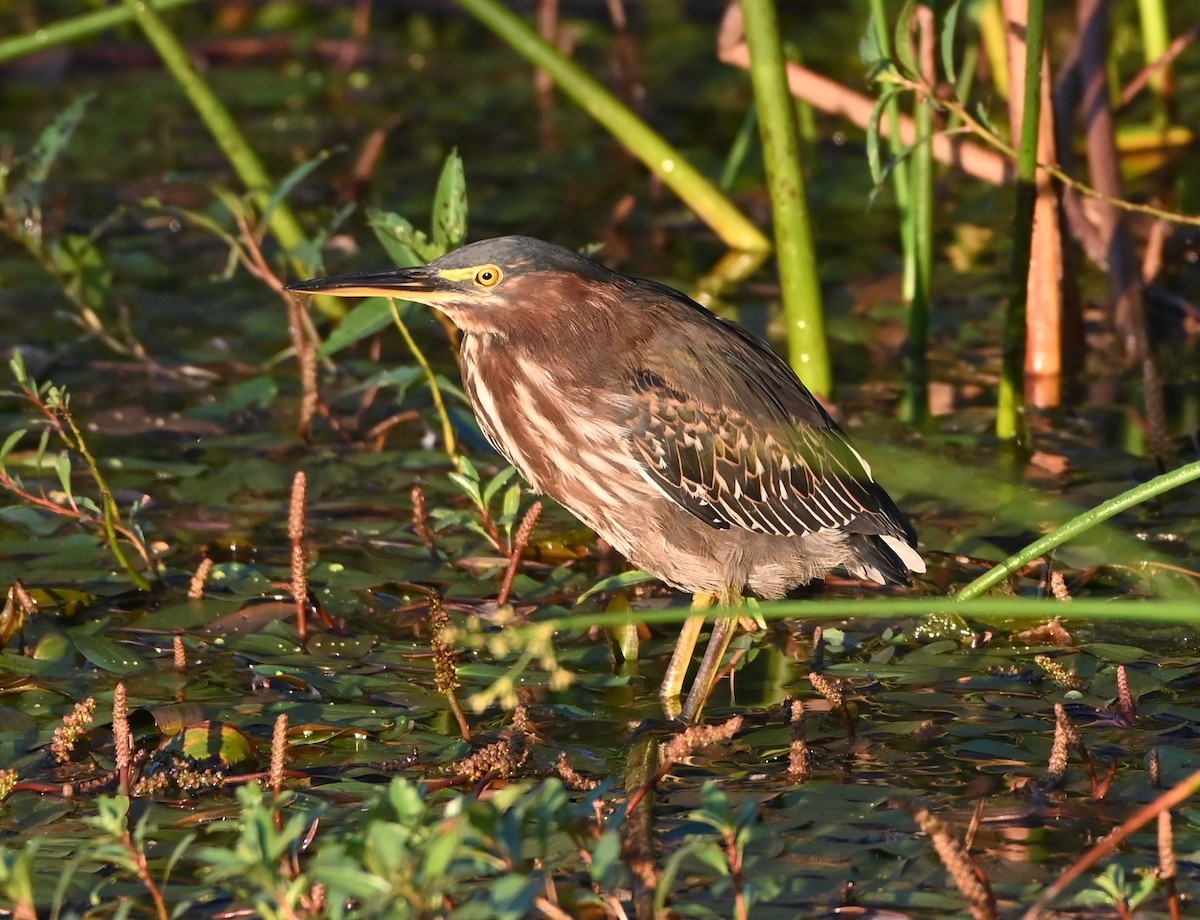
[(229, 138), (900, 171), (1156, 38), (920, 219), (448, 437), (730, 224), (878, 608), (68, 30), (1080, 524), (799, 280), (107, 500), (1010, 410), (738, 151)]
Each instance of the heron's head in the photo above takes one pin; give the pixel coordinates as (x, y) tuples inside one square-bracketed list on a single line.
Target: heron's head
[(493, 286)]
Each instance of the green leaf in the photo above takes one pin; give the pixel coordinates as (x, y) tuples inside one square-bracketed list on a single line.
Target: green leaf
[(512, 502), (906, 54), (54, 139), (449, 219), (497, 482), (290, 181), (108, 655), (370, 316), (398, 237), (9, 443), (874, 160), (62, 466), (948, 27), (616, 582), (870, 48)]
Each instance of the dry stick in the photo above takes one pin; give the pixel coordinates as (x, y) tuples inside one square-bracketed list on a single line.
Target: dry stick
[(1172, 798), (1138, 83), (296, 512), (857, 108), (520, 541), (976, 823), (200, 579)]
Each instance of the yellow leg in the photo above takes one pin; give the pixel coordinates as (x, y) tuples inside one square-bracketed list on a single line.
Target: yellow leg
[(702, 684), (682, 656)]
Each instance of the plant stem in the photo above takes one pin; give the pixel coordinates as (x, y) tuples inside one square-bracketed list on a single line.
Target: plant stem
[(109, 503), (448, 437), (225, 131), (919, 236), (1010, 410), (799, 281), (1156, 39), (68, 30), (1080, 524), (733, 227)]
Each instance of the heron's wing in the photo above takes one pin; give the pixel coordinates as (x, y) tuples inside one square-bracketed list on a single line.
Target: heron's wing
[(725, 429)]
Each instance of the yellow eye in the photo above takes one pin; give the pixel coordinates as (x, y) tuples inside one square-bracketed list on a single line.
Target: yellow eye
[(488, 276)]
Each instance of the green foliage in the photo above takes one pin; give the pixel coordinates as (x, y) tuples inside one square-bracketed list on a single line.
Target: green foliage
[(481, 519), (103, 518)]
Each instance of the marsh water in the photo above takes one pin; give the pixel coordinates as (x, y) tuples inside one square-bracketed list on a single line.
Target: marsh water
[(200, 435)]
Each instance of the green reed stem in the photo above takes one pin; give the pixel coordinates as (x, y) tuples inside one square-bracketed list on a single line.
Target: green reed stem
[(1090, 608), (730, 224), (1010, 410), (439, 403), (1156, 38), (1080, 524), (281, 219), (68, 30), (901, 181), (799, 281), (919, 217)]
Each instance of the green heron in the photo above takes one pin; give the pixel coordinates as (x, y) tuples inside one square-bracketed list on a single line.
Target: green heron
[(680, 438)]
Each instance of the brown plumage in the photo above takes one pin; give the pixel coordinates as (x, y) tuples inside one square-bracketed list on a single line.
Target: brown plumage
[(680, 438)]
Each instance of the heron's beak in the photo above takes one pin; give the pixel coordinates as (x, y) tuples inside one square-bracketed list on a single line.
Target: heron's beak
[(420, 284)]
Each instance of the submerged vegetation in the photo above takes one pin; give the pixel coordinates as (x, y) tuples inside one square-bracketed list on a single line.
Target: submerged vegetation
[(283, 637)]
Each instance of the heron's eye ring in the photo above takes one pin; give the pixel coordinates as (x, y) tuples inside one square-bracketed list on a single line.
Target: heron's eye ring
[(488, 276)]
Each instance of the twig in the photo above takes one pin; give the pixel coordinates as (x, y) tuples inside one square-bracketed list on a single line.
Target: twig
[(1172, 798)]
